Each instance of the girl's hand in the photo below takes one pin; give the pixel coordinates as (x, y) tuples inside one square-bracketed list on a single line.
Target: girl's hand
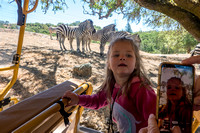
[(73, 98)]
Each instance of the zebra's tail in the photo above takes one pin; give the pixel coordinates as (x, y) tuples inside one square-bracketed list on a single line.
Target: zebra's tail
[(56, 35)]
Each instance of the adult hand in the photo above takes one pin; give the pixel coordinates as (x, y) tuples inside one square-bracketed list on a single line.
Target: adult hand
[(193, 60), (73, 98), (153, 127)]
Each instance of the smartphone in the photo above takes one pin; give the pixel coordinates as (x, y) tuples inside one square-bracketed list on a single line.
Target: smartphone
[(175, 97)]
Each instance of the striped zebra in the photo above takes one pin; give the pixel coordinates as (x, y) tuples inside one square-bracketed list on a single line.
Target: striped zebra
[(64, 31), (98, 35), (81, 33), (52, 30), (196, 51), (118, 34)]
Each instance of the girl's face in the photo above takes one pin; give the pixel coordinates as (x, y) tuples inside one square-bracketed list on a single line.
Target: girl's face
[(174, 90), (122, 59)]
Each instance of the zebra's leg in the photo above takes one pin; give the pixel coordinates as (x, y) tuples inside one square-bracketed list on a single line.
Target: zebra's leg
[(70, 42), (57, 36), (86, 48), (89, 42), (51, 36), (83, 45), (50, 32), (60, 41), (102, 49), (63, 40), (78, 44)]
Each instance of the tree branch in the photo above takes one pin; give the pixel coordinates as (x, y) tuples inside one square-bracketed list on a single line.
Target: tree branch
[(188, 20), (108, 12), (190, 6)]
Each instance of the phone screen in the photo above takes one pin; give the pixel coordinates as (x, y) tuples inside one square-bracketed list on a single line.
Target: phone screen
[(175, 97)]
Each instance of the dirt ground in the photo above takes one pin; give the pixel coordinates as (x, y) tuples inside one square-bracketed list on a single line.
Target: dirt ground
[(43, 65)]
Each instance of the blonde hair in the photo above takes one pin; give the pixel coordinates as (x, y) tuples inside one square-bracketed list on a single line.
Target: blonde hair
[(109, 82)]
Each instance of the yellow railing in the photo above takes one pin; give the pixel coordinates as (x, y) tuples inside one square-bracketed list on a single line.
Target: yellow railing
[(30, 125), (16, 57), (196, 121)]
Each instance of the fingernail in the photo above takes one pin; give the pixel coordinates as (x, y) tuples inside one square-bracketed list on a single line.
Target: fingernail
[(151, 116)]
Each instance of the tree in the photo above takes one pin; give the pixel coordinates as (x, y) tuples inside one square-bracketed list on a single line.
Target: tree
[(75, 23), (128, 28), (167, 42), (155, 12), (60, 23)]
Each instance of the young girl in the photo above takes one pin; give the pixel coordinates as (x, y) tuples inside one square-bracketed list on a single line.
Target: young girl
[(125, 88), (178, 108)]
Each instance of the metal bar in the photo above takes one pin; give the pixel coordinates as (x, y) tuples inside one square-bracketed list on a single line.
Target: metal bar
[(196, 122), (80, 110), (195, 125), (35, 121), (18, 52), (14, 99), (7, 68), (11, 83), (34, 7)]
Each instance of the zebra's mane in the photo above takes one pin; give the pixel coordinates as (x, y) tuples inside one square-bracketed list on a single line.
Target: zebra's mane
[(108, 26)]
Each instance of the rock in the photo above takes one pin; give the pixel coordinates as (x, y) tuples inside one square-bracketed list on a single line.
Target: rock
[(84, 70)]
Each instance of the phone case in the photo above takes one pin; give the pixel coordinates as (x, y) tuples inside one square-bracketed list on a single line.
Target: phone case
[(175, 96)]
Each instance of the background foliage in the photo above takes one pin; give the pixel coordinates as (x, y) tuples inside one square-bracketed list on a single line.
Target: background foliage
[(165, 42)]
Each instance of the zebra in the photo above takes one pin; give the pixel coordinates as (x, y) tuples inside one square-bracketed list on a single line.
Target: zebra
[(81, 33), (64, 31), (118, 34), (52, 30), (196, 51), (98, 35)]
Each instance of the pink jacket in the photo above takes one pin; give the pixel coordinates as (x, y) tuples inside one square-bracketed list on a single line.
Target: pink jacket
[(130, 114)]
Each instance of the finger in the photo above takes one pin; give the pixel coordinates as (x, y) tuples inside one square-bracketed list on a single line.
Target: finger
[(192, 60), (197, 94), (197, 86), (197, 100), (152, 124), (69, 104), (143, 130), (176, 129), (197, 91), (196, 107), (66, 94)]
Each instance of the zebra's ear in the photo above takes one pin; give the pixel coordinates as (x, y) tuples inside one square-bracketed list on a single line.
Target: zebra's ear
[(88, 21)]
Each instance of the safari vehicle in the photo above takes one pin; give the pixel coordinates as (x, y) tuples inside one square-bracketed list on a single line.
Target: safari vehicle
[(47, 110), (44, 112)]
